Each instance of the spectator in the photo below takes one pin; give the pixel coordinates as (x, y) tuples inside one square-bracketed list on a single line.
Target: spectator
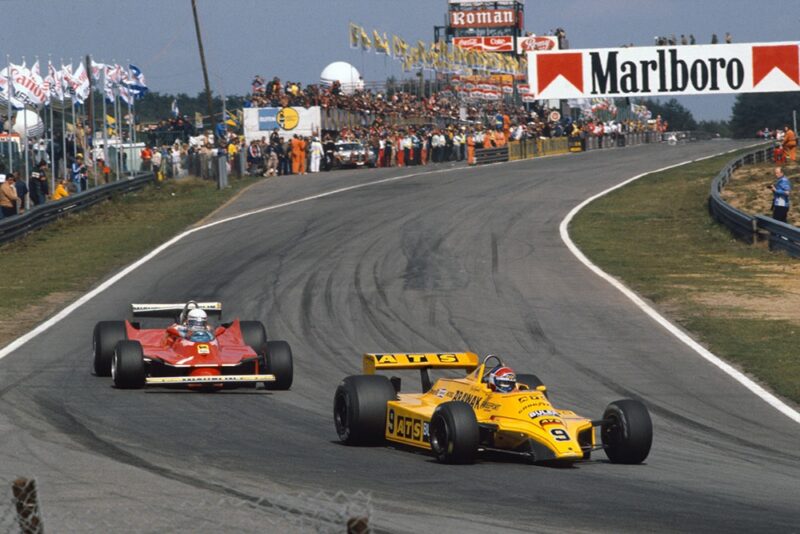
[(714, 39), (61, 190), (8, 197), (789, 143), (156, 163), (22, 192), (40, 188), (175, 160), (147, 158), (728, 38), (780, 195), (78, 174)]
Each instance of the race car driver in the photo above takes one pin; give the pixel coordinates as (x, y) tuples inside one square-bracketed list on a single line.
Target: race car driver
[(502, 379), (194, 329)]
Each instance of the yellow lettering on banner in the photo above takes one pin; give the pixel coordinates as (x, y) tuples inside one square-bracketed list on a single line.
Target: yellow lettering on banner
[(387, 358), (417, 358), (448, 358)]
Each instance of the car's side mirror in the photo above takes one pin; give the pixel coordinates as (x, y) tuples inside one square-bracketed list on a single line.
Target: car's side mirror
[(219, 331), (541, 388)]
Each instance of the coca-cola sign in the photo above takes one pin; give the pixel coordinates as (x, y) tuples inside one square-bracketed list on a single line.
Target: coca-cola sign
[(486, 44)]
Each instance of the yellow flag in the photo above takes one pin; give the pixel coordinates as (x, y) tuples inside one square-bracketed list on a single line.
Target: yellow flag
[(355, 33), (366, 44)]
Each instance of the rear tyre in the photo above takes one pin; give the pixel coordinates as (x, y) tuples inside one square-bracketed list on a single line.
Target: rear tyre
[(254, 335), (359, 409), (104, 340), (127, 365), (278, 362), (628, 432), (454, 433), (532, 381)]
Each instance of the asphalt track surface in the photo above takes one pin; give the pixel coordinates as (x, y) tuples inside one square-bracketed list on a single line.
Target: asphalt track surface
[(449, 259)]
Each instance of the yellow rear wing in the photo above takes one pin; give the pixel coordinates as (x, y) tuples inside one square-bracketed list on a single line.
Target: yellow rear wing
[(427, 360)]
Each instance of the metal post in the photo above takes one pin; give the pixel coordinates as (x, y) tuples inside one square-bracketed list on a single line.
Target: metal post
[(52, 150), (203, 64), (105, 120), (10, 81)]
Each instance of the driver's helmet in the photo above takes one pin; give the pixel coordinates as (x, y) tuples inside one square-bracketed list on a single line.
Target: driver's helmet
[(196, 320), (502, 379)]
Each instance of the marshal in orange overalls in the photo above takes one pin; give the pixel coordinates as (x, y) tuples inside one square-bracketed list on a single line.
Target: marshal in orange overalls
[(470, 149), (790, 143), (298, 154)]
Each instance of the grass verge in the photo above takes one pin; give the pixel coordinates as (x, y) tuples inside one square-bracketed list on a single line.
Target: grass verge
[(739, 300), (50, 267)]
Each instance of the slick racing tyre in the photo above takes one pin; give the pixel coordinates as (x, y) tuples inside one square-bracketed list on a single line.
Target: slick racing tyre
[(104, 340), (254, 335), (127, 365), (454, 433), (278, 362), (359, 409), (532, 381), (627, 432)]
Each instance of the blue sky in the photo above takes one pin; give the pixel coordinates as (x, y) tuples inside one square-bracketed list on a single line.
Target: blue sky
[(295, 39)]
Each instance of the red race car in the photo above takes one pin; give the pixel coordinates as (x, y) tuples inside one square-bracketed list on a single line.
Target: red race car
[(190, 351)]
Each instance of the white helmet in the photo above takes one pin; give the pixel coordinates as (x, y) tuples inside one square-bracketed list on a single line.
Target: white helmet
[(196, 319)]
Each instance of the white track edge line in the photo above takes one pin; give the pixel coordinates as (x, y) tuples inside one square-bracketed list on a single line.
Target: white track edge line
[(47, 324), (707, 355)]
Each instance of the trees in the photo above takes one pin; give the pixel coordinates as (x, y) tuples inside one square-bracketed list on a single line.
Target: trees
[(674, 112), (755, 111)]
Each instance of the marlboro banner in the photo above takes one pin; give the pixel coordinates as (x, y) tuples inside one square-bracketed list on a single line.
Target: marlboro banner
[(665, 70)]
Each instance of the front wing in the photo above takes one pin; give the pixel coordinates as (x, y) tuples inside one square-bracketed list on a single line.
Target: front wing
[(210, 379)]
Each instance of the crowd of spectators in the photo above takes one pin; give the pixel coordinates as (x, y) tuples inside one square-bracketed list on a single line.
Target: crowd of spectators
[(690, 40)]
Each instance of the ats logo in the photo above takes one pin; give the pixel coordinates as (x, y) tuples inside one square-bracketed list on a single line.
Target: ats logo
[(702, 69)]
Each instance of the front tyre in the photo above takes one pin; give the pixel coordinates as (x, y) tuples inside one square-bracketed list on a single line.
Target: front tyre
[(104, 340), (627, 432), (454, 433), (127, 365), (359, 408), (278, 362)]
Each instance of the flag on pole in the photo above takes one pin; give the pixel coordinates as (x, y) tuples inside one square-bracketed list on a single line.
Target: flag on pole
[(7, 91), (135, 83), (28, 86), (175, 111), (80, 83)]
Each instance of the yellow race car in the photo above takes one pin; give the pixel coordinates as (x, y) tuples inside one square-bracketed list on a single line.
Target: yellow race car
[(456, 418)]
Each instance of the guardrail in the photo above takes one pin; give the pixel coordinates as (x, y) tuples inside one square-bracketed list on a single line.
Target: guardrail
[(12, 228), (751, 228), (491, 155)]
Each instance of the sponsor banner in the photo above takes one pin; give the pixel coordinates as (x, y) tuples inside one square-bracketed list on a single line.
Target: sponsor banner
[(665, 70), (483, 18), (260, 122), (503, 43), (535, 43)]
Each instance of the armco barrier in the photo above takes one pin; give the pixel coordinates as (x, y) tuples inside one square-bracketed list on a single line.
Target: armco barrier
[(491, 155), (748, 227), (15, 227)]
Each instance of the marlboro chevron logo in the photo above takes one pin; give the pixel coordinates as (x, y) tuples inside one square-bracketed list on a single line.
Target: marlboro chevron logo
[(665, 70)]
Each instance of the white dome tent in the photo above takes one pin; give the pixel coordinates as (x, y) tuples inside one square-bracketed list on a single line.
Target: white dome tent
[(30, 119), (346, 74)]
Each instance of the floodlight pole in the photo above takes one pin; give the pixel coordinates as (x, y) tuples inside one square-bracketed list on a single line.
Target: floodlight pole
[(203, 63)]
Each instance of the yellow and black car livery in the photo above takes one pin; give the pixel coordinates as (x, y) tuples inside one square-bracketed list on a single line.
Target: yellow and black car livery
[(456, 418)]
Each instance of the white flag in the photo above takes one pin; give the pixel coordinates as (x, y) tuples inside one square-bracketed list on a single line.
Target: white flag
[(28, 86)]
